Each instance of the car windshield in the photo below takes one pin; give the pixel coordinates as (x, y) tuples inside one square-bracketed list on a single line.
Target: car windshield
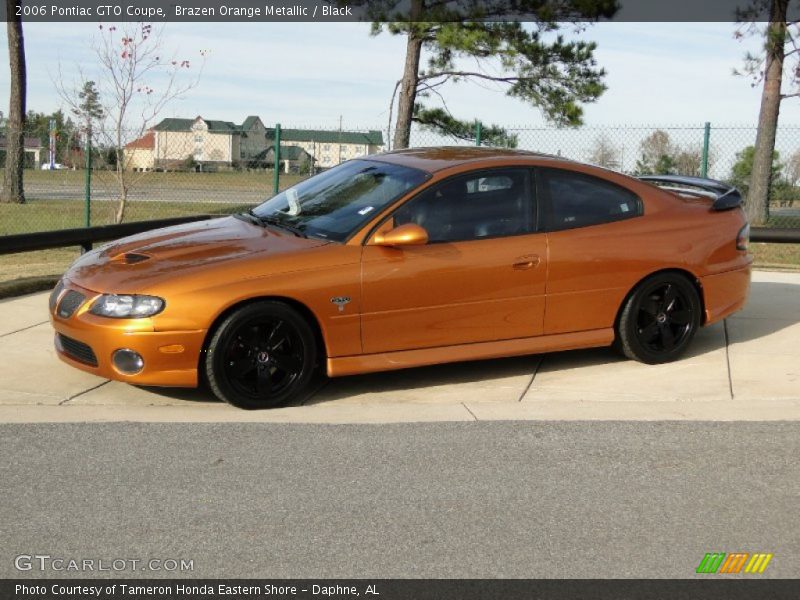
[(334, 204)]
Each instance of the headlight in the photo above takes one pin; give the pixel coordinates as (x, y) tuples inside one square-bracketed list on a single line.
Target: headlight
[(126, 306)]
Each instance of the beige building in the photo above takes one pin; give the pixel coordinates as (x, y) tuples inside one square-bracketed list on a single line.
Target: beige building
[(329, 148), (139, 155), (177, 143)]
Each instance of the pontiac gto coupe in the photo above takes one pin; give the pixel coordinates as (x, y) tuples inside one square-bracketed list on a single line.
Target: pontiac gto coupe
[(409, 258)]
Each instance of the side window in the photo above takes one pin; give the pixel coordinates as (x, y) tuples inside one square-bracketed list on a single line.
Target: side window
[(576, 200), (469, 207)]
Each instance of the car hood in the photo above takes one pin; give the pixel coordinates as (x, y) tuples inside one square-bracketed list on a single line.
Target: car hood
[(135, 263)]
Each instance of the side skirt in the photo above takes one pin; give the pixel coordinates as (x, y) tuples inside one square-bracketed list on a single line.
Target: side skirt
[(404, 359)]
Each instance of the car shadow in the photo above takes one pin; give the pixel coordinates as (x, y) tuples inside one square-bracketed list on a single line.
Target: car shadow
[(407, 381), (772, 308), (199, 394)]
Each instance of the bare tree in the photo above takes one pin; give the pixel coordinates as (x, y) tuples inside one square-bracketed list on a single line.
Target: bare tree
[(15, 127), (135, 83), (604, 153), (688, 162), (792, 169), (657, 154)]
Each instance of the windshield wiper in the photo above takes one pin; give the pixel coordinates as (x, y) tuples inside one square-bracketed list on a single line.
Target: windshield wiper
[(276, 222), (250, 216)]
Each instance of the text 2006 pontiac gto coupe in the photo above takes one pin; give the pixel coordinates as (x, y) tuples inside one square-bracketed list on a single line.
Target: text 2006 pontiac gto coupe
[(409, 258)]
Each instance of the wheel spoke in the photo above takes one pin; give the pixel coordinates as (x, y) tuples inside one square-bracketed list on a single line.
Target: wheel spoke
[(273, 336), (667, 337), (287, 362), (648, 333), (669, 298), (681, 317), (240, 367), (249, 335), (650, 306), (263, 380)]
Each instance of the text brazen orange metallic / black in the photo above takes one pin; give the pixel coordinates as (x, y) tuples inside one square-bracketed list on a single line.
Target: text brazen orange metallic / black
[(408, 258)]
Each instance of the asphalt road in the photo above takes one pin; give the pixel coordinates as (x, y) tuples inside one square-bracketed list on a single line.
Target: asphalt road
[(497, 499)]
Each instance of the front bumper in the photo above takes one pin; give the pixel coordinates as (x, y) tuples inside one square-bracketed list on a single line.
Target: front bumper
[(170, 357)]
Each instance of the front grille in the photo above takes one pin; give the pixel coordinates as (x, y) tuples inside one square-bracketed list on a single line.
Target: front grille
[(77, 350), (55, 293), (70, 303)]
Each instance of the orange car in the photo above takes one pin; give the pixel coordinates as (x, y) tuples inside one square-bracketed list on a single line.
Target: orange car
[(409, 258)]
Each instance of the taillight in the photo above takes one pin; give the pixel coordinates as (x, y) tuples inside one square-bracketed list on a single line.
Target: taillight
[(743, 238)]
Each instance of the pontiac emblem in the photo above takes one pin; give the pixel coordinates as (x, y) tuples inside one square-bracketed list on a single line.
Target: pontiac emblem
[(340, 301)]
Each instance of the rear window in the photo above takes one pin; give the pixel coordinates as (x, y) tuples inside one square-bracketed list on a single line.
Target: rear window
[(574, 199)]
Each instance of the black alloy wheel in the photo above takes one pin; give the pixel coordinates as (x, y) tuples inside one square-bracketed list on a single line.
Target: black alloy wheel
[(659, 319), (264, 355)]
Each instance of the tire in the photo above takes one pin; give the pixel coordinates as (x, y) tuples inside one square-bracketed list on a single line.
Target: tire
[(264, 355), (659, 320)]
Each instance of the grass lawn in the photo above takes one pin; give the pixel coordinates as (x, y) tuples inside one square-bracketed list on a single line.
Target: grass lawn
[(34, 264), (54, 199), (776, 255), (49, 215)]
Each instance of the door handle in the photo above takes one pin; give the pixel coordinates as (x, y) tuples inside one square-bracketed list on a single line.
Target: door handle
[(526, 262)]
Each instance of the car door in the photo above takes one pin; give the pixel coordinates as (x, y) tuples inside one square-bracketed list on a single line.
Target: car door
[(594, 251), (481, 277)]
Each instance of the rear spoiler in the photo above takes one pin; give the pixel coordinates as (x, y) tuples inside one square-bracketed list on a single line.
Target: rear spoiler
[(725, 196)]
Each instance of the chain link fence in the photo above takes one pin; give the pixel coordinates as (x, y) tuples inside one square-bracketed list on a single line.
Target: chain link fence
[(182, 168)]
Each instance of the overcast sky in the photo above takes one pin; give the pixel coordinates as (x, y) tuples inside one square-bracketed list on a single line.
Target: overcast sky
[(311, 74)]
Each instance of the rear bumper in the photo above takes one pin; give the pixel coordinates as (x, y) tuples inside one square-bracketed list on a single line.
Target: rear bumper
[(725, 293), (170, 357)]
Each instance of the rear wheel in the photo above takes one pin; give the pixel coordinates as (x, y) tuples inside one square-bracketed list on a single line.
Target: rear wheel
[(264, 355), (659, 319)]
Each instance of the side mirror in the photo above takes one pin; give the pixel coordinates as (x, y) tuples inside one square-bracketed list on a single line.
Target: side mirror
[(409, 234)]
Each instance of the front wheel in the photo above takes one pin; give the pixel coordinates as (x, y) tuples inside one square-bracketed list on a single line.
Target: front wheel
[(659, 319), (264, 355)]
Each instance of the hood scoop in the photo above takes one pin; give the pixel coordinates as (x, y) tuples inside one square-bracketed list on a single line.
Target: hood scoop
[(130, 258)]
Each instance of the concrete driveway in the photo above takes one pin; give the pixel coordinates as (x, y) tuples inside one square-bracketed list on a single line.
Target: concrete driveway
[(747, 368)]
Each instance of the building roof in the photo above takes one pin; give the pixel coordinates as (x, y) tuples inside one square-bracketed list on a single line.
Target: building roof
[(287, 153), (249, 122), (291, 152), (173, 124), (146, 142), (321, 136), (372, 137)]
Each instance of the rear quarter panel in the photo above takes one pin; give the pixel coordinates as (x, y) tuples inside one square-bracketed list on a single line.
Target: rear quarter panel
[(593, 269)]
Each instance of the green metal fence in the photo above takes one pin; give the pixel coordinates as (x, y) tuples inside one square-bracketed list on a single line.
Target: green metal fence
[(177, 173)]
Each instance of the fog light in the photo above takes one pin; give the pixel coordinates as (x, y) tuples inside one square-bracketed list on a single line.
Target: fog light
[(127, 361)]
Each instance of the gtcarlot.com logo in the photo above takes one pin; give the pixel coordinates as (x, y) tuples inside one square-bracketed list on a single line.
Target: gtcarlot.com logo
[(736, 562), (45, 562)]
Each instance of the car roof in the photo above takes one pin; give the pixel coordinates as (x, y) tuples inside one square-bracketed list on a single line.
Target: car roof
[(444, 157)]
